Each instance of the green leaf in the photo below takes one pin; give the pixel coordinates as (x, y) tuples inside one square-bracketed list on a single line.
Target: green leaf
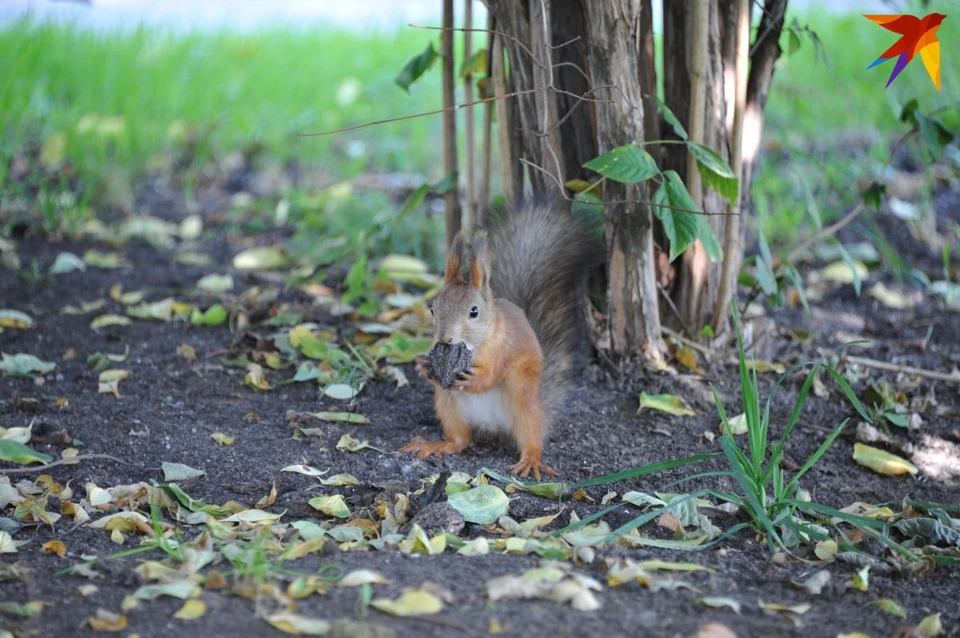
[(25, 365), (482, 505), (414, 200), (670, 118), (333, 505), (793, 44), (415, 67), (679, 227), (476, 64), (213, 316), (935, 135), (670, 203), (874, 194), (67, 262), (447, 184), (890, 607), (765, 276), (715, 172), (625, 164), (17, 452), (669, 403)]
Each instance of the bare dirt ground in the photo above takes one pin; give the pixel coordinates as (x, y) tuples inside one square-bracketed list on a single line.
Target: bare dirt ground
[(170, 406)]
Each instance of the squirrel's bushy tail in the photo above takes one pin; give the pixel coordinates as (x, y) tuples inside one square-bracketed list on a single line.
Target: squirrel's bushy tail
[(541, 256)]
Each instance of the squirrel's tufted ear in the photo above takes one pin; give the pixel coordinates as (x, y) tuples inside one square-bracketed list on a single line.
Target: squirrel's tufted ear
[(480, 265), (451, 270)]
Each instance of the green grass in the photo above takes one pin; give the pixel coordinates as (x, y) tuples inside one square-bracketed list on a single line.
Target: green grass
[(812, 102), (123, 103), (267, 87)]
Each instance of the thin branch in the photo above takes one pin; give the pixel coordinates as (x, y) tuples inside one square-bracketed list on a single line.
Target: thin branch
[(512, 38), (893, 367), (416, 115), (825, 232)]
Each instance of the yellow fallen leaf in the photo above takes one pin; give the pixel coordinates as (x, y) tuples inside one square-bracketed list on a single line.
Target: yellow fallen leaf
[(255, 378), (765, 366), (186, 351), (109, 381), (669, 403), (104, 321), (222, 438), (413, 603), (802, 608), (54, 547), (297, 625), (882, 462), (15, 319), (191, 610), (108, 621), (931, 626), (840, 272), (890, 298)]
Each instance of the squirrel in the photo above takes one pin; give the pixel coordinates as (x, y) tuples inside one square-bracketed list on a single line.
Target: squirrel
[(519, 312)]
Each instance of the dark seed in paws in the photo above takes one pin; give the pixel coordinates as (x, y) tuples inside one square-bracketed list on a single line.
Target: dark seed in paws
[(448, 361)]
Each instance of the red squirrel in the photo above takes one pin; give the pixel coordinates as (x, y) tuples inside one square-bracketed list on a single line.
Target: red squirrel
[(514, 297)]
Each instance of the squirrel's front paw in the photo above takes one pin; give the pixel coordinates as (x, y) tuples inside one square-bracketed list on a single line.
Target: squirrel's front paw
[(423, 367), (463, 380), (530, 462)]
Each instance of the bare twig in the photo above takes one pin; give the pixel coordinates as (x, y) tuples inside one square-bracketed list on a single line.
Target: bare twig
[(447, 109), (893, 367), (487, 130), (70, 461), (702, 349), (825, 232)]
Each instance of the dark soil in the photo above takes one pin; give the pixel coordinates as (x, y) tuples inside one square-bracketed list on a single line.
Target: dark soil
[(169, 407)]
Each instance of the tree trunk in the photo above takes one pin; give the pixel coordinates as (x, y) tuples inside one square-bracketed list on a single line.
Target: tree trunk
[(590, 68), (452, 198)]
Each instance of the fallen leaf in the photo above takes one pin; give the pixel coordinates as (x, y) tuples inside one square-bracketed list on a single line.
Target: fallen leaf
[(340, 391), (216, 283), (54, 547), (765, 366), (107, 621), (85, 307), (15, 319), (260, 258), (890, 298), (330, 505), (841, 272), (107, 261), (414, 603), (718, 602), (291, 623), (183, 590), (109, 381), (352, 444), (889, 606), (482, 505), (24, 610), (802, 608), (815, 584), (339, 480), (255, 377), (191, 610), (179, 472), (212, 316), (882, 462), (16, 452), (360, 577), (669, 403), (186, 352), (104, 321), (66, 262), (24, 365), (931, 626), (222, 438), (738, 424), (825, 549), (191, 227)]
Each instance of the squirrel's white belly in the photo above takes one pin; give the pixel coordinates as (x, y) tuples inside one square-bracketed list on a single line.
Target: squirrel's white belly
[(487, 411)]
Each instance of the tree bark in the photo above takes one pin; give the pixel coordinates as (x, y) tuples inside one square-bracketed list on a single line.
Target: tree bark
[(633, 323)]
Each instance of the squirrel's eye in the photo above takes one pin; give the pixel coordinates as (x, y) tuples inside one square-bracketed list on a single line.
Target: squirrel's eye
[(474, 312)]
